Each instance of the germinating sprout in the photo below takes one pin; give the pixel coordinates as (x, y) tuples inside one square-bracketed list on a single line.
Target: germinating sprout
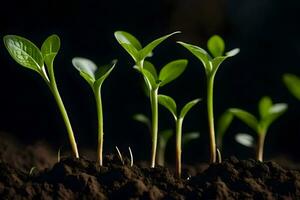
[(268, 112), (95, 77), (292, 82), (120, 155), (211, 63), (41, 61), (32, 169), (131, 156)]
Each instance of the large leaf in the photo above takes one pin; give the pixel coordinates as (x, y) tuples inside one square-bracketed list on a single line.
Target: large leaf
[(24, 52), (216, 45), (244, 139), (200, 53), (168, 103), (129, 43), (50, 49), (147, 50), (188, 137), (246, 117), (264, 106), (171, 71), (188, 107), (223, 123), (292, 82)]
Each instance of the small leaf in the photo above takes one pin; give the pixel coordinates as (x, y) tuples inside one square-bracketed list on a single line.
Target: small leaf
[(264, 105), (147, 50), (86, 67), (232, 52), (103, 72), (187, 107), (143, 119), (24, 52), (223, 123), (292, 82), (188, 137), (150, 80), (50, 49), (129, 43), (244, 139), (171, 71), (246, 117), (200, 53), (150, 67), (216, 45), (168, 103)]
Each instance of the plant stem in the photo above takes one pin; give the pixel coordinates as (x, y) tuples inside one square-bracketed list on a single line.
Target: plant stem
[(260, 146), (154, 109), (97, 93), (161, 152), (178, 146), (210, 112)]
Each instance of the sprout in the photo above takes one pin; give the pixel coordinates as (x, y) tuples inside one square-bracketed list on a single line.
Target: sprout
[(292, 82), (95, 77), (211, 64), (169, 72), (170, 104), (41, 61), (268, 112)]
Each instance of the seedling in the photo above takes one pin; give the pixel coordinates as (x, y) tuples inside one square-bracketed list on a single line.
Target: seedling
[(170, 104), (41, 61), (292, 82), (268, 112), (95, 77), (211, 63), (169, 72)]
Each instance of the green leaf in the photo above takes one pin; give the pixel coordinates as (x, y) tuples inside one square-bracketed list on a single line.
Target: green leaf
[(147, 50), (103, 72), (200, 53), (188, 137), (273, 113), (246, 117), (50, 49), (187, 107), (24, 52), (171, 71), (150, 67), (150, 80), (223, 123), (129, 43), (264, 106), (143, 119), (244, 139), (168, 103), (292, 82), (86, 67), (216, 45)]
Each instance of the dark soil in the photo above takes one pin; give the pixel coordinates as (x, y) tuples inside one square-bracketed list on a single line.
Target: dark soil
[(84, 179)]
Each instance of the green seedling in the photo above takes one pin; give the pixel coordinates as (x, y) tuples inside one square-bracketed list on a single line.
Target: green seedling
[(268, 112), (170, 72), (170, 104), (211, 63), (41, 61), (95, 77), (292, 82)]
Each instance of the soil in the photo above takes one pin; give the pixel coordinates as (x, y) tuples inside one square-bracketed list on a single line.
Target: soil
[(84, 179)]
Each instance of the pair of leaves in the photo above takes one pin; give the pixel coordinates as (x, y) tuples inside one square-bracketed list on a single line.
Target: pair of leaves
[(93, 74), (268, 111), (216, 47), (292, 82), (170, 104), (167, 74), (28, 55), (133, 46)]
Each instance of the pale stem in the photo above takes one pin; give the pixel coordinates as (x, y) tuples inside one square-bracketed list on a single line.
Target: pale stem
[(154, 109), (178, 146), (260, 146)]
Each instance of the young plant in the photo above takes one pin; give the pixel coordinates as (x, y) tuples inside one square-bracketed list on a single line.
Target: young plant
[(211, 63), (170, 72), (95, 77), (170, 104), (41, 61), (292, 82), (268, 112)]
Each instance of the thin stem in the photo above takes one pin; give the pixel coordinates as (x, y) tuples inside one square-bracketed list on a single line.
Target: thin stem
[(260, 146), (97, 92), (178, 146), (210, 112), (161, 152), (154, 109)]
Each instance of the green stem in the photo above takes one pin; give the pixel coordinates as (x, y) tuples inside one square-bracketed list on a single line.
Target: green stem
[(97, 93), (178, 146), (260, 146), (161, 152), (210, 84), (154, 109)]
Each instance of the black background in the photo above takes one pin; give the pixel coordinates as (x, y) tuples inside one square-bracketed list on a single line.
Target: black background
[(266, 31)]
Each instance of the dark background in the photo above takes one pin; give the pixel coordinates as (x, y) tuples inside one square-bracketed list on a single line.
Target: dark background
[(266, 31)]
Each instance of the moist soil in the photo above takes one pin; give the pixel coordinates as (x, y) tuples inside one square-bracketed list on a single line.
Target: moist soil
[(84, 179)]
